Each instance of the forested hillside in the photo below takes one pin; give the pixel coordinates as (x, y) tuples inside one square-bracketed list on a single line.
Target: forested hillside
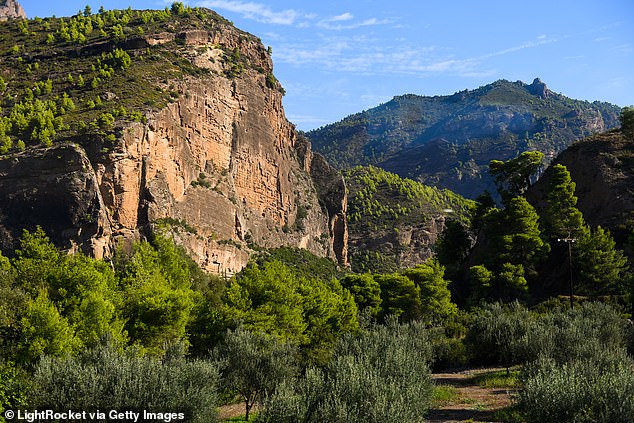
[(448, 141), (537, 284)]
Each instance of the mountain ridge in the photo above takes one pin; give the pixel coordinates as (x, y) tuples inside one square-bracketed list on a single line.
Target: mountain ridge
[(447, 141)]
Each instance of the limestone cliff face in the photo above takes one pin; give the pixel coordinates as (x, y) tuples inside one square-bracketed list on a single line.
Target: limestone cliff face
[(217, 168), (11, 9)]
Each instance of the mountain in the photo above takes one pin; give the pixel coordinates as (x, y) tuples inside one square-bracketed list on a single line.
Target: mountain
[(118, 124), (602, 167), (11, 9), (395, 222), (448, 141)]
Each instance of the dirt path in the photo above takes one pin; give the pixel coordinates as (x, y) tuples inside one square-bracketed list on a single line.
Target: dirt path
[(473, 403)]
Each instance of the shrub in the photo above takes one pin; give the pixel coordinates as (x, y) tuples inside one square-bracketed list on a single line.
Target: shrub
[(499, 334), (587, 390), (106, 379), (581, 333), (579, 369), (381, 375), (253, 364)]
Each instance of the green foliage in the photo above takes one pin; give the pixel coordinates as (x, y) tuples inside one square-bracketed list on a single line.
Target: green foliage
[(267, 300), (562, 218), (107, 378), (117, 59), (513, 252), (400, 297), (580, 371), (499, 333), (366, 292), (381, 375), (601, 268), (45, 331), (513, 177), (435, 299), (178, 8), (582, 391), (254, 364), (627, 121), (567, 335), (34, 120), (159, 300), (307, 311), (452, 246), (15, 388), (74, 300), (302, 262)]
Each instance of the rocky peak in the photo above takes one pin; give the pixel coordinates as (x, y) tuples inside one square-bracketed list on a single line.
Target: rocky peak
[(539, 88), (11, 9)]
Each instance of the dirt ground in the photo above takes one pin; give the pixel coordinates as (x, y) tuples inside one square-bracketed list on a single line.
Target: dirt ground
[(474, 403)]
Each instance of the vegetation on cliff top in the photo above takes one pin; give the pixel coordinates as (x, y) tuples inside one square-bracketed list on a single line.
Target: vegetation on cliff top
[(382, 204), (82, 77)]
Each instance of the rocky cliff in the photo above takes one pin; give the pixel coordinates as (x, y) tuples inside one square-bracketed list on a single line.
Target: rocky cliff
[(217, 166), (602, 167), (11, 9)]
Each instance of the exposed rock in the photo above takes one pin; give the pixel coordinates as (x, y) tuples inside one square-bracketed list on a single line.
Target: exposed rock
[(11, 9), (602, 168), (538, 88), (56, 189), (331, 189), (217, 168)]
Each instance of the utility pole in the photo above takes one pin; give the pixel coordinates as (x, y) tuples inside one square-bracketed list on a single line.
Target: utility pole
[(569, 240)]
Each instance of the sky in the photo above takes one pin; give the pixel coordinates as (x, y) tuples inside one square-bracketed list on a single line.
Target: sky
[(336, 58)]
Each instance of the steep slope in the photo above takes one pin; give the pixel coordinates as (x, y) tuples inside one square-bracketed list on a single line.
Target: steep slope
[(159, 120), (602, 167), (394, 222), (448, 141)]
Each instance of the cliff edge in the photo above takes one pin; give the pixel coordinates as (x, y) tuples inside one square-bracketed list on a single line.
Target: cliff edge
[(189, 136)]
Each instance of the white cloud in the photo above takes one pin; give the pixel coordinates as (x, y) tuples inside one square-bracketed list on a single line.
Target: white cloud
[(360, 55), (334, 25), (255, 11), (343, 17)]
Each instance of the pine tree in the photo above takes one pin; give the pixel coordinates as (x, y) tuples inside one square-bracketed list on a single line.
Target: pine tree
[(562, 217), (601, 267)]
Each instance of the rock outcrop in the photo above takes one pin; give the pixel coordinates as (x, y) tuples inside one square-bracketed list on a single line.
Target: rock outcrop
[(217, 168), (602, 168), (11, 9), (54, 188)]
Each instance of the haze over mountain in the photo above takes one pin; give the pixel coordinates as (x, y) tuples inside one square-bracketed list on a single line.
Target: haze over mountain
[(448, 141)]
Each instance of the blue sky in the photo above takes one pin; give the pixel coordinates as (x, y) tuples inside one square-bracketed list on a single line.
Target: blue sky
[(336, 58)]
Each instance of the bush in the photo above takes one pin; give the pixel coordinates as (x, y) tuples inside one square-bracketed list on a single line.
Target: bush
[(15, 388), (253, 364), (106, 379), (499, 334), (586, 390), (381, 375), (581, 333), (579, 369)]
